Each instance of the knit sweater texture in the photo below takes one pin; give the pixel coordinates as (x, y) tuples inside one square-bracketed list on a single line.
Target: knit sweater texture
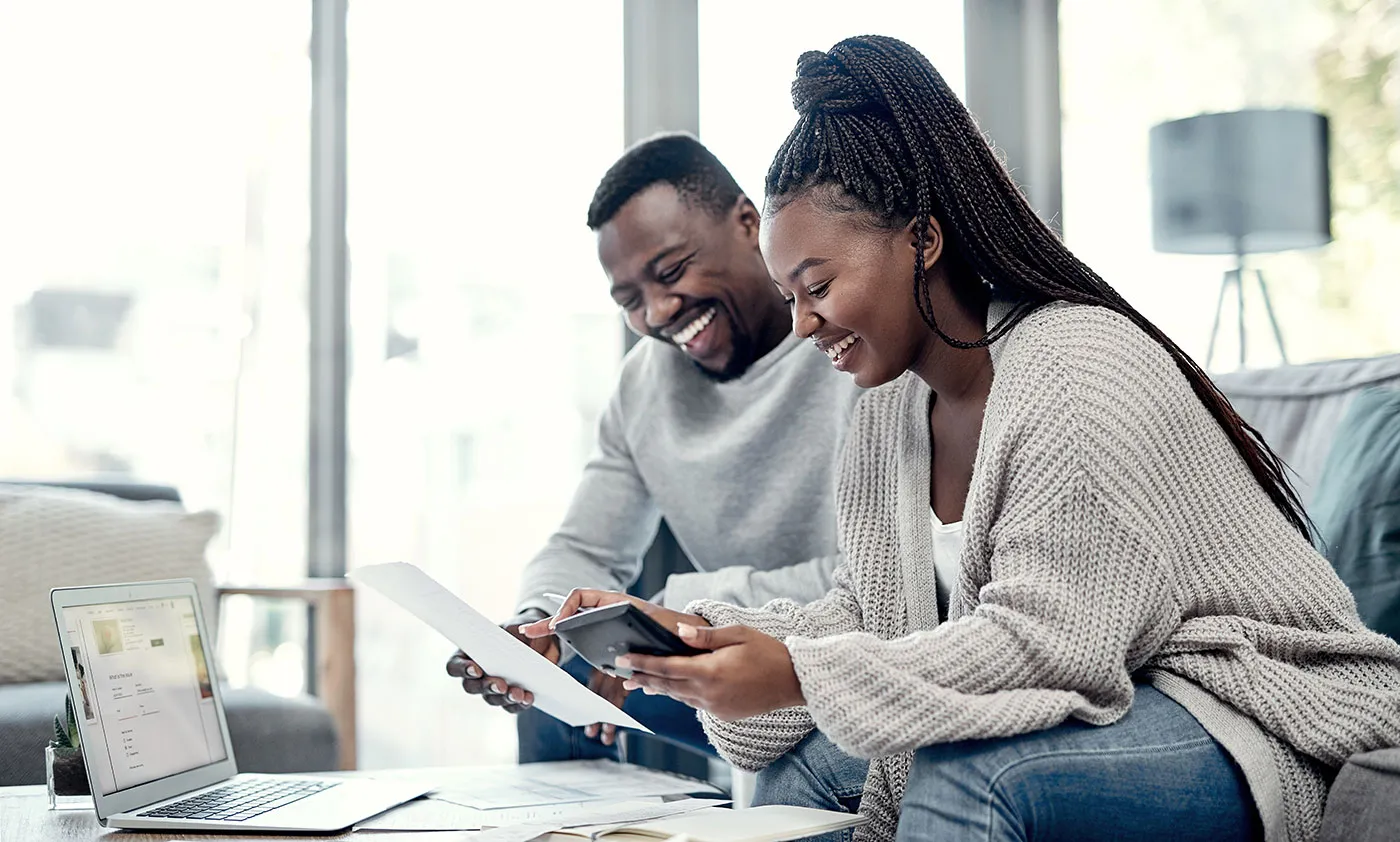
[(1111, 532)]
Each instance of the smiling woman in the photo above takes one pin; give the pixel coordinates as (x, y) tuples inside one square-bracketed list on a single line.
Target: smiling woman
[(1078, 597)]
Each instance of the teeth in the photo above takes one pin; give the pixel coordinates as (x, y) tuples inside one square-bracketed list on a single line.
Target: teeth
[(835, 351), (689, 332)]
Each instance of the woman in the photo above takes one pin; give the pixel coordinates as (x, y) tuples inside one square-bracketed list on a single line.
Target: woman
[(1079, 598)]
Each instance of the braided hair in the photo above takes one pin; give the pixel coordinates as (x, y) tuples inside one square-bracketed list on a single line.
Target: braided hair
[(880, 133)]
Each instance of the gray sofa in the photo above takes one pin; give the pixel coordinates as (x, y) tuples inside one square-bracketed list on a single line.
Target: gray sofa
[(269, 733), (1298, 409)]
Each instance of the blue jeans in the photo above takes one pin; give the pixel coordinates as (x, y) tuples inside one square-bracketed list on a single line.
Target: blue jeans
[(542, 737), (814, 774), (1154, 774)]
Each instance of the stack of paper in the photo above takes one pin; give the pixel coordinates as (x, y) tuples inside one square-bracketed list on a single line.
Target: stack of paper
[(772, 823)]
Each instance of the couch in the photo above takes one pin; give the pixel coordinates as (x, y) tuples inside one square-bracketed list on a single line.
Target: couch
[(269, 733), (1297, 409)]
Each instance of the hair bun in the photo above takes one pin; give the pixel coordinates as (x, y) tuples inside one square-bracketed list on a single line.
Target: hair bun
[(823, 85)]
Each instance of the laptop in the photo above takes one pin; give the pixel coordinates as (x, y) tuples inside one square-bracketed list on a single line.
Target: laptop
[(154, 737)]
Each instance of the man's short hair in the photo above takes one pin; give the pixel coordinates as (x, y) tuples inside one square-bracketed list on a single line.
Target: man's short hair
[(677, 159)]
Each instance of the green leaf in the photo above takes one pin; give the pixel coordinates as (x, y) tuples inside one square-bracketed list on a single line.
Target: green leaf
[(60, 734), (74, 738)]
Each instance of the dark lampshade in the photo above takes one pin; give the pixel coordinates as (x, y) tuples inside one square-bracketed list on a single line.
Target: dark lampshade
[(1242, 182)]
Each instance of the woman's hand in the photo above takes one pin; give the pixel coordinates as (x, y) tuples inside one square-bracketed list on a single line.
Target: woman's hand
[(746, 674), (582, 598)]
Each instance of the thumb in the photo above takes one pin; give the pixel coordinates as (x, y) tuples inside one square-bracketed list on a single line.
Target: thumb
[(537, 629), (709, 637)]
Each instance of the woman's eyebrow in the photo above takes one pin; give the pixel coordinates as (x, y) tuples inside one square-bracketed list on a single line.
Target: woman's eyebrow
[(804, 266)]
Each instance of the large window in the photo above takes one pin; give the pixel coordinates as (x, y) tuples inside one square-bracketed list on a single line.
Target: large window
[(748, 57), (1128, 66), (484, 341), (153, 229)]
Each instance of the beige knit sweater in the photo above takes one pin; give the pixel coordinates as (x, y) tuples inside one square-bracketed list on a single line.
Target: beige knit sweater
[(1111, 529)]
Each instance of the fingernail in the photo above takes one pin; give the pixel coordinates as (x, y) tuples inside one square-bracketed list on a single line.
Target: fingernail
[(624, 662), (473, 672), (686, 631), (517, 695), (499, 688), (630, 685)]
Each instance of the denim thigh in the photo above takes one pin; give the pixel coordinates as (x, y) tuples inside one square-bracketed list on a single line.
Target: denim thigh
[(1154, 774)]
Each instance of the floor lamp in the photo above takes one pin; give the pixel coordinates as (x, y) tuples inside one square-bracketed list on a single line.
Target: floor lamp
[(1241, 183)]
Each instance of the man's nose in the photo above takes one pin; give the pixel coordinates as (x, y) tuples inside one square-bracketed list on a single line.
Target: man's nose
[(661, 308)]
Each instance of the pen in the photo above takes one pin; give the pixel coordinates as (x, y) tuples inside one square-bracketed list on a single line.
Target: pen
[(560, 598)]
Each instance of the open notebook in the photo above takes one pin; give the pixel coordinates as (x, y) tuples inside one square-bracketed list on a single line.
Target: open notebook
[(771, 823)]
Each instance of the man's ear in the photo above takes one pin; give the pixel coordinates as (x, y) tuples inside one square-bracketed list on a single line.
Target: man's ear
[(747, 217), (933, 241)]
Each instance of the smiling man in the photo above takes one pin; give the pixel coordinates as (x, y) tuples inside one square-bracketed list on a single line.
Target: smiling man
[(723, 422)]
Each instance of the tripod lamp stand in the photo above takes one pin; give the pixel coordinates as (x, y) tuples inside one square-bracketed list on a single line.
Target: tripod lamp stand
[(1241, 183)]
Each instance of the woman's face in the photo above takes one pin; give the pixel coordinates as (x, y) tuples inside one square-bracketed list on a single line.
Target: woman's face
[(850, 287)]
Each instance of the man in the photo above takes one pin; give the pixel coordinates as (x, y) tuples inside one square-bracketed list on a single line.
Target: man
[(723, 422)]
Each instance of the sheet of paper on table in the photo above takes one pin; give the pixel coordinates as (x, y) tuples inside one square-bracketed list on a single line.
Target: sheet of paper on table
[(495, 649), (560, 783), (527, 824), (433, 814)]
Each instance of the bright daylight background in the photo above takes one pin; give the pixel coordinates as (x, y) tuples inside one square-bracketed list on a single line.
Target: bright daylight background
[(154, 220)]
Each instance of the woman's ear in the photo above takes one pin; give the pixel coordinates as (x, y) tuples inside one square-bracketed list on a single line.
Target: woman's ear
[(933, 241)]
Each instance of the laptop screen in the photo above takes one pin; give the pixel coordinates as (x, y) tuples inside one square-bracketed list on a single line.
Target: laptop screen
[(147, 705)]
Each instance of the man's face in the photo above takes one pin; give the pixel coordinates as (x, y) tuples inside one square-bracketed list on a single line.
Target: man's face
[(685, 277)]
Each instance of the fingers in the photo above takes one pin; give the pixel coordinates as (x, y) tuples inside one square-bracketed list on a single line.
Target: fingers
[(682, 667), (460, 666), (710, 637), (539, 628), (609, 733), (496, 692), (655, 684), (571, 605), (582, 598)]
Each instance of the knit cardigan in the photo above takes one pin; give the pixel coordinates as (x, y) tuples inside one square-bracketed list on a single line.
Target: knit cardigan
[(1111, 532)]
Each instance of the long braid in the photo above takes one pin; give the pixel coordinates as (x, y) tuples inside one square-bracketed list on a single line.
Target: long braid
[(878, 121)]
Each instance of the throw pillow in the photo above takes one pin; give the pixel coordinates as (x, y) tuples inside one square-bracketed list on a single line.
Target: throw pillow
[(58, 537), (1357, 507)]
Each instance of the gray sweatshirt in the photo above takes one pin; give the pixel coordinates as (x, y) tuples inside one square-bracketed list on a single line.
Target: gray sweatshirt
[(741, 471)]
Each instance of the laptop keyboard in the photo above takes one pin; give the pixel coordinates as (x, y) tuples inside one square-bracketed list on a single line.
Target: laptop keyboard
[(239, 801)]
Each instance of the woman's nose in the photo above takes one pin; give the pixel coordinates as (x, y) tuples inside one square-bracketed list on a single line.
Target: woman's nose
[(805, 321)]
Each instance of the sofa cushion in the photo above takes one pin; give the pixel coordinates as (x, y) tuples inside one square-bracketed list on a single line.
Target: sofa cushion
[(270, 733), (1356, 507), (60, 537), (1364, 802), (1297, 407)]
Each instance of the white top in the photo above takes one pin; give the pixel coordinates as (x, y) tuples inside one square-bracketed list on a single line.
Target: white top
[(947, 559)]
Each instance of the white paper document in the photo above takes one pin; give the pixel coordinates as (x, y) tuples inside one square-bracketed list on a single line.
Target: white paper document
[(559, 783), (425, 814), (492, 647), (524, 824)]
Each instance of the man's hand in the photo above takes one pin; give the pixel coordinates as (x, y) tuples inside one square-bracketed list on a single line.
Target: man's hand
[(746, 674), (581, 598), (611, 688), (495, 690)]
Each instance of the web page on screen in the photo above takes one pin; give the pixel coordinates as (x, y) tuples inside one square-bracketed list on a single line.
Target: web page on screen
[(146, 701)]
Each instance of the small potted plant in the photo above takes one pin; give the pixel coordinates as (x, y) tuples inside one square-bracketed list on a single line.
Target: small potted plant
[(64, 756)]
